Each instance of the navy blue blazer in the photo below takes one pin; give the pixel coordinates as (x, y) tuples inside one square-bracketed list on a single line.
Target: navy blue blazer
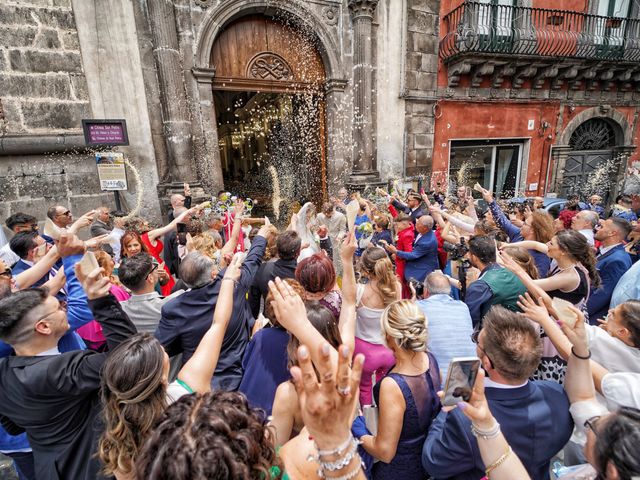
[(534, 419), (186, 319), (402, 207), (423, 259), (21, 266), (611, 266)]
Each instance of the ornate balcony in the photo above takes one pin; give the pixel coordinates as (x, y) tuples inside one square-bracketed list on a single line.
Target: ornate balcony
[(483, 39)]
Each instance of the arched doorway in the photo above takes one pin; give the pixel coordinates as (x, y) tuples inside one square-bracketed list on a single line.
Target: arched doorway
[(591, 166), (269, 103)]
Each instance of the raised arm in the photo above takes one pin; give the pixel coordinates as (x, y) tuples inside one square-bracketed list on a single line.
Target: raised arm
[(232, 242), (31, 275), (159, 232), (198, 371), (501, 219), (531, 245), (347, 322)]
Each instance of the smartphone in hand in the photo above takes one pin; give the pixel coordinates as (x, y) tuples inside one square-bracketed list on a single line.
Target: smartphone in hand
[(460, 380)]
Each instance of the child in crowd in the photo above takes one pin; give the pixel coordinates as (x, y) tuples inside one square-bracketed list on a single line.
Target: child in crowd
[(404, 243)]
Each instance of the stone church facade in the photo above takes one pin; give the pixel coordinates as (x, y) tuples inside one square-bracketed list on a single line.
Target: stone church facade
[(154, 63)]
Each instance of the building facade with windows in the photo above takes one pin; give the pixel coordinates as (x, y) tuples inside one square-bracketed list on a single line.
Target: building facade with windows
[(534, 96)]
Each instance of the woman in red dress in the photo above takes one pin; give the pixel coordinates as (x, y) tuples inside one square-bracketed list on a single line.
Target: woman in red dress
[(149, 242)]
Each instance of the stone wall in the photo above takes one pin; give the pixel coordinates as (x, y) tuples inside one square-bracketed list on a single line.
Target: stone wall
[(420, 85), (43, 97)]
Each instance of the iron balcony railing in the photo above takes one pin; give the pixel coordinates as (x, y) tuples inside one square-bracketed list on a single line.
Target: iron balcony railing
[(485, 27)]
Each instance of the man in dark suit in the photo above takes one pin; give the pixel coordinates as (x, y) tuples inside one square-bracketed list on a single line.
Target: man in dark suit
[(288, 246), (424, 258), (26, 245), (411, 208), (533, 416), (187, 318), (54, 396), (612, 262)]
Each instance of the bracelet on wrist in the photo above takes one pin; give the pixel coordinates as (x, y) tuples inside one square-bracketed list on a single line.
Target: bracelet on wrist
[(235, 282), (497, 463), (573, 352), (486, 434), (336, 451)]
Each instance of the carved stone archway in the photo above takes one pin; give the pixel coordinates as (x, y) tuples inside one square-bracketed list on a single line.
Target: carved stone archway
[(328, 46), (623, 148)]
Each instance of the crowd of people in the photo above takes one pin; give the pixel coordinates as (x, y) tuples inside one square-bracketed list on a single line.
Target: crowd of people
[(220, 346)]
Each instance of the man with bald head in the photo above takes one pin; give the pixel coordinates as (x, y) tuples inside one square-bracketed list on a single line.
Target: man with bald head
[(424, 258), (178, 200)]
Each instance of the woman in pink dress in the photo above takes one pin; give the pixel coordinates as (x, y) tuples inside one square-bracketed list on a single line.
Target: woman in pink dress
[(91, 332)]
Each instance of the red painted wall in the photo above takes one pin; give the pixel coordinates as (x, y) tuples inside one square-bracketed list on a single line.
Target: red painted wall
[(464, 120)]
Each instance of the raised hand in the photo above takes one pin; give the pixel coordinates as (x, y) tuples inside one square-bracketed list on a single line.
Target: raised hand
[(234, 270), (577, 334), (83, 222), (487, 195), (477, 408), (95, 242), (349, 247), (287, 304), (69, 245), (536, 311), (96, 284), (238, 208), (327, 406)]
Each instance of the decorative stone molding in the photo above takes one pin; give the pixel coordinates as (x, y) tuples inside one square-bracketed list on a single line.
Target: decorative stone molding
[(203, 4), (336, 85), (330, 15), (204, 75), (269, 66), (604, 111), (455, 71), (363, 7)]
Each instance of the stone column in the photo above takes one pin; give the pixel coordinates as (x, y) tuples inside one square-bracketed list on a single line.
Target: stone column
[(364, 170), (175, 109), (559, 157)]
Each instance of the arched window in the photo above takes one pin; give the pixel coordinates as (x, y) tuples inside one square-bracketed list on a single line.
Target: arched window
[(594, 134)]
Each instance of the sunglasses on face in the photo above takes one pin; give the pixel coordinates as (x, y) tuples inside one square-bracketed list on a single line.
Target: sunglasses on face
[(66, 214), (7, 273)]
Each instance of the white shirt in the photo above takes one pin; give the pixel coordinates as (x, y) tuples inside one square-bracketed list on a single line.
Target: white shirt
[(51, 351), (612, 353), (488, 383), (8, 256), (604, 250), (588, 234)]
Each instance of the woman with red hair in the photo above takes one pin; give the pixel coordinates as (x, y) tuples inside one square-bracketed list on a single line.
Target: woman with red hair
[(148, 240), (317, 276)]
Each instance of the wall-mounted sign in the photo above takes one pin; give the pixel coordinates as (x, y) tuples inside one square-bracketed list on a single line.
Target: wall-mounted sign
[(111, 171), (105, 132)]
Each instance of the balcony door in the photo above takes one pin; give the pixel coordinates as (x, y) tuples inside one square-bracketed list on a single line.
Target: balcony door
[(495, 24), (610, 27)]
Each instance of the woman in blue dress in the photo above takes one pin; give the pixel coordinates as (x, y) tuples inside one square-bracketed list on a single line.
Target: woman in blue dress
[(406, 397)]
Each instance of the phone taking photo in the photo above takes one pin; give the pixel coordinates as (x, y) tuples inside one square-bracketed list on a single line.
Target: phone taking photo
[(460, 380)]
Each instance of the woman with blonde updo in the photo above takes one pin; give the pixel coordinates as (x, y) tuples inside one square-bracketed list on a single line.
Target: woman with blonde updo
[(382, 289), (406, 397)]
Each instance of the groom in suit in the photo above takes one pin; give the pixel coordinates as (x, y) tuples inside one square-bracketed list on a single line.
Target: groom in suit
[(424, 258), (533, 415), (612, 262)]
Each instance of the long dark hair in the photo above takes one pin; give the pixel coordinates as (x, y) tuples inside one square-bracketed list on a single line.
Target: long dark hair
[(322, 320), (575, 244), (617, 443), (211, 435), (134, 397)]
